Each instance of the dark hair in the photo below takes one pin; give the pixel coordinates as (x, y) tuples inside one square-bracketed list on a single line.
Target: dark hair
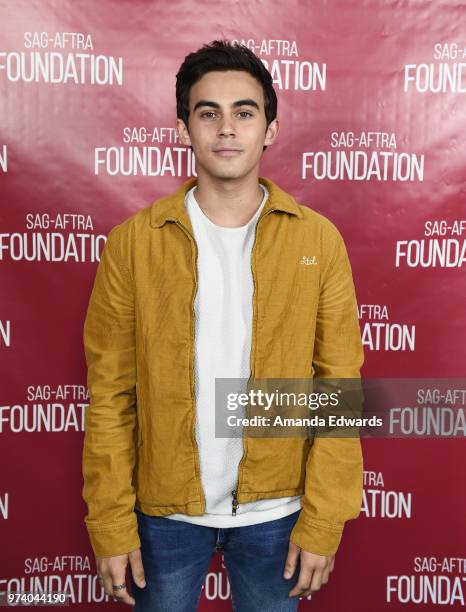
[(221, 55)]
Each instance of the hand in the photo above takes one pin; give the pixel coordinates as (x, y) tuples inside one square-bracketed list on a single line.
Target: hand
[(314, 570), (113, 570)]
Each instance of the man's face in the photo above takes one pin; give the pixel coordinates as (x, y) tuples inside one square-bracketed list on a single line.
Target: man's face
[(227, 124)]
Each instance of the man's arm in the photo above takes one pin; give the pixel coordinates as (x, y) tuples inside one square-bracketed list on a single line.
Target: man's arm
[(334, 467), (110, 422)]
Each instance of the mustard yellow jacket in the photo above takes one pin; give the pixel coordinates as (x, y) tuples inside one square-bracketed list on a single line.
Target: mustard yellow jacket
[(139, 443)]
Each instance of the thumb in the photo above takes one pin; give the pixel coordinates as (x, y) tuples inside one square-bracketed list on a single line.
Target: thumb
[(137, 569), (291, 560)]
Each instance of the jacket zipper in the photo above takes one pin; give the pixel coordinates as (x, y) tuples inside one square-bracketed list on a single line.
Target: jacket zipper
[(193, 433), (234, 502)]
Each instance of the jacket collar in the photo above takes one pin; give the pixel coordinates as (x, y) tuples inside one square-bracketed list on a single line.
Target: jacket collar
[(172, 208)]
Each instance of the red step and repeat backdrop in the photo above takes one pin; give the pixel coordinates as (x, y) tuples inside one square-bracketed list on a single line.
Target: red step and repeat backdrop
[(372, 108)]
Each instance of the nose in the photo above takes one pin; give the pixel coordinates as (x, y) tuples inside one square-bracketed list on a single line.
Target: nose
[(226, 127)]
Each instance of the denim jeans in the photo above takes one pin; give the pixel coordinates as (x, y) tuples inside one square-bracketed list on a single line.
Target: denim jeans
[(176, 557)]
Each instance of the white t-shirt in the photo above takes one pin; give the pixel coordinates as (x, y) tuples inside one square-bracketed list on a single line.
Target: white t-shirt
[(223, 324)]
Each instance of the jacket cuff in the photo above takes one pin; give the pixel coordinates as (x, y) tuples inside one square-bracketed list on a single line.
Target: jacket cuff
[(317, 537), (112, 539)]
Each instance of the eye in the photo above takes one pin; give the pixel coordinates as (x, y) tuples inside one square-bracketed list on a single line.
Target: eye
[(245, 113), (207, 113)]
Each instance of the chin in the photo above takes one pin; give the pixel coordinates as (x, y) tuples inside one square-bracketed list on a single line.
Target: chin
[(230, 175), (226, 173)]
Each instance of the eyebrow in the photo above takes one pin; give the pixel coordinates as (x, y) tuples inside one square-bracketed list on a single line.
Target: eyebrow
[(245, 102)]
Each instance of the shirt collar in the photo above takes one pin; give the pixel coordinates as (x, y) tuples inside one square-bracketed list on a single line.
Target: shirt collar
[(172, 208)]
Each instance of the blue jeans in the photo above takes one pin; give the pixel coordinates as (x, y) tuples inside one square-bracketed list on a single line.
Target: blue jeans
[(176, 556)]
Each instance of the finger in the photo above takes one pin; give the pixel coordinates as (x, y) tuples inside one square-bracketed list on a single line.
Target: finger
[(137, 569), (332, 563), (100, 578), (121, 594), (291, 560), (316, 581), (325, 575), (304, 580), (106, 581)]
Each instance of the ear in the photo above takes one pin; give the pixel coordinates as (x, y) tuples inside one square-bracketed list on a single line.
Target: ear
[(272, 132), (183, 133)]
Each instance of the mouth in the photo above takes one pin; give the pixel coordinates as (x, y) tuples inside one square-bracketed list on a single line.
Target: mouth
[(225, 152)]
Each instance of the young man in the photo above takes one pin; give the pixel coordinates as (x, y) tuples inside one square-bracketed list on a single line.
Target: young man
[(214, 282)]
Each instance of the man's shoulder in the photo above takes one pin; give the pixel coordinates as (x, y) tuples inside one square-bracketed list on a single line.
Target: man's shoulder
[(312, 220), (135, 224), (134, 221), (318, 223), (144, 219), (311, 216)]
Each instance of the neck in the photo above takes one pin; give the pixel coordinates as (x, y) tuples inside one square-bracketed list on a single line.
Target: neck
[(228, 202)]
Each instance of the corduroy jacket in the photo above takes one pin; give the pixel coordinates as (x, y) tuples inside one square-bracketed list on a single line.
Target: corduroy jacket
[(139, 443)]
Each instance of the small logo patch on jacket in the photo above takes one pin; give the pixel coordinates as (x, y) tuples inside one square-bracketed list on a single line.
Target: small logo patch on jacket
[(308, 261)]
